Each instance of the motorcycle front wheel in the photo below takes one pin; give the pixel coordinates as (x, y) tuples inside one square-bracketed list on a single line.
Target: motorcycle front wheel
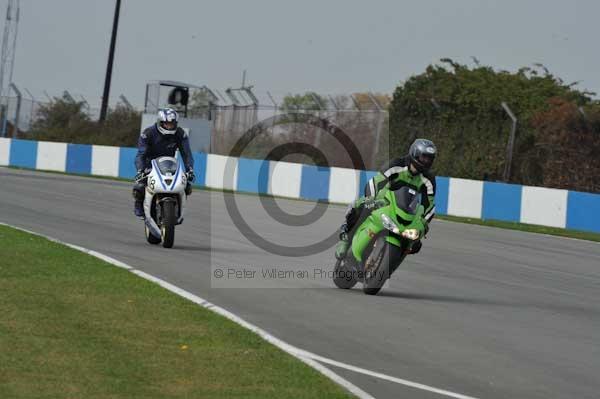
[(168, 223), (381, 263), (344, 277)]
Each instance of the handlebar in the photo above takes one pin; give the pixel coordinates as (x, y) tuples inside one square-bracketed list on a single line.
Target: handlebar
[(144, 176)]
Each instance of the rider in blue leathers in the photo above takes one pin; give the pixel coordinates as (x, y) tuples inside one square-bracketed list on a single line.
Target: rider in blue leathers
[(160, 140)]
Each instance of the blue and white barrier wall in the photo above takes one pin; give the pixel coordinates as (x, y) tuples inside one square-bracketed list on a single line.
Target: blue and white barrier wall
[(458, 197)]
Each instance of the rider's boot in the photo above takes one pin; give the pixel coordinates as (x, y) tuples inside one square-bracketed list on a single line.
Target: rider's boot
[(138, 197), (138, 209), (342, 246)]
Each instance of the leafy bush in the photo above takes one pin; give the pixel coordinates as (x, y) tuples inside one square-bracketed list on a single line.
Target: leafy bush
[(567, 146), (65, 120), (459, 108)]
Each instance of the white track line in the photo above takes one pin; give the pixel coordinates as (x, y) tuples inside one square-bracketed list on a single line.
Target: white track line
[(306, 357), (385, 377)]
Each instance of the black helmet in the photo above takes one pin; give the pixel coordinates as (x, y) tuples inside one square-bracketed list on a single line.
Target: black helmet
[(422, 154)]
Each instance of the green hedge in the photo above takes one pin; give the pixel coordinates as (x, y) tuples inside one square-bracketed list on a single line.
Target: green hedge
[(65, 120), (460, 109)]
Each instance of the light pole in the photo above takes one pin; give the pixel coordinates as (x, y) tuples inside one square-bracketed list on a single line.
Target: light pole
[(7, 59), (109, 66)]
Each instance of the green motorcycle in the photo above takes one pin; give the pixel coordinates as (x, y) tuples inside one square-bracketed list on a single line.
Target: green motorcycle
[(381, 242)]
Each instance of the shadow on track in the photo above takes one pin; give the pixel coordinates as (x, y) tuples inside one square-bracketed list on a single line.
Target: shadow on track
[(443, 298), (585, 311), (206, 248)]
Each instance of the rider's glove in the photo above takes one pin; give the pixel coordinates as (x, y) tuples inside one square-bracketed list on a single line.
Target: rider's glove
[(139, 175), (372, 203), (191, 176)]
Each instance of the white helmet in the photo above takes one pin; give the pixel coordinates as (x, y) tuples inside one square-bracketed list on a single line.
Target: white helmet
[(166, 122)]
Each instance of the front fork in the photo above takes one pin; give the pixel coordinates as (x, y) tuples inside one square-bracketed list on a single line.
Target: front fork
[(158, 213), (366, 237), (180, 206)]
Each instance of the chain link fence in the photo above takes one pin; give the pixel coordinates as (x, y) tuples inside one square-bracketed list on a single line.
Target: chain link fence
[(363, 118), (22, 111)]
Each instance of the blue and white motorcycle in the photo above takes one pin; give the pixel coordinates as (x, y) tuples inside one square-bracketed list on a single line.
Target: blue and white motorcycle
[(164, 203)]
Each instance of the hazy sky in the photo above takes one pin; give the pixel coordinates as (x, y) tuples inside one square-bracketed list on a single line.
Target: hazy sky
[(330, 46)]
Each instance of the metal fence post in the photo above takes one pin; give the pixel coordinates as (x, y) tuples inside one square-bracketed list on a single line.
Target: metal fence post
[(50, 99), (3, 122), (31, 112), (318, 111), (68, 96), (337, 108), (356, 104), (511, 142), (276, 107), (380, 114), (84, 101), (18, 110), (126, 102)]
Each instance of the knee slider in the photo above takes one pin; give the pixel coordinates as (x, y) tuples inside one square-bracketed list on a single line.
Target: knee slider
[(349, 210), (138, 192)]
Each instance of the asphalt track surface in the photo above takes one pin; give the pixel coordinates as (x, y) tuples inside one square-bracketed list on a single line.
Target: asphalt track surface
[(483, 312)]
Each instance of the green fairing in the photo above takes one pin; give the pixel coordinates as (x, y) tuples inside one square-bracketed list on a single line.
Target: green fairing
[(373, 226)]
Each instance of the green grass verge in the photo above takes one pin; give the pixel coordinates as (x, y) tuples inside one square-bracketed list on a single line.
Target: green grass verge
[(73, 326), (530, 228)]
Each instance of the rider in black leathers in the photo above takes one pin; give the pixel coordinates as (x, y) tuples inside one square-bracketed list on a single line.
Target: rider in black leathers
[(161, 139)]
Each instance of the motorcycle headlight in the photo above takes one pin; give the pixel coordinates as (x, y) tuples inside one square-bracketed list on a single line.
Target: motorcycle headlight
[(389, 224), (411, 234)]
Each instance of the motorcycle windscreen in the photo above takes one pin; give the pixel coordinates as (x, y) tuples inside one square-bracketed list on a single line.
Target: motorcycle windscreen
[(166, 166), (407, 200)]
